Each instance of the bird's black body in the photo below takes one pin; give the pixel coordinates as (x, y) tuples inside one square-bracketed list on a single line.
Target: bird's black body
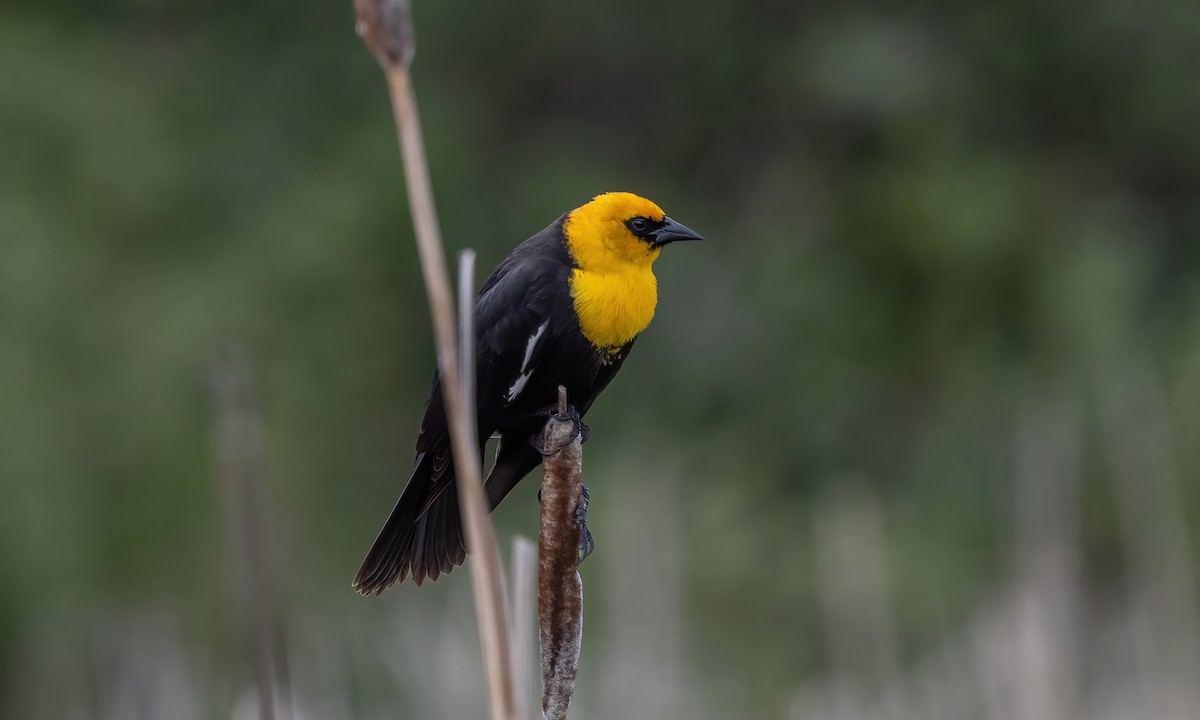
[(526, 328)]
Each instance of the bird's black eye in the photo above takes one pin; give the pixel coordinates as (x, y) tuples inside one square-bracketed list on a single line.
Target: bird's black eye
[(638, 225)]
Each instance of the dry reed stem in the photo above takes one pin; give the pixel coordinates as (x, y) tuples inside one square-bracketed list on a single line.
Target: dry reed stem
[(386, 28), (487, 577), (524, 563), (1047, 457), (1139, 439), (237, 437), (850, 540), (560, 589)]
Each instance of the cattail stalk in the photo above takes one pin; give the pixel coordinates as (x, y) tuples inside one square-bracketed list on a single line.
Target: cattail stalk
[(560, 589)]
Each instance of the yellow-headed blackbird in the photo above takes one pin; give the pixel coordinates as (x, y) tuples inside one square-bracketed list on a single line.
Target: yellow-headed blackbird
[(563, 309)]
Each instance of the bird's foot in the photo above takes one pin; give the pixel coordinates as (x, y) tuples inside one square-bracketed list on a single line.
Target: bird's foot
[(578, 430), (586, 543)]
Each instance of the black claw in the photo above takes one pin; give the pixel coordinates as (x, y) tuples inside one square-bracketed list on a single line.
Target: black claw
[(536, 440), (586, 543)]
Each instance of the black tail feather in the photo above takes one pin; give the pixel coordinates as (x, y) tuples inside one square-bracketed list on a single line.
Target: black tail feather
[(423, 545), (440, 534), (388, 560), (429, 544)]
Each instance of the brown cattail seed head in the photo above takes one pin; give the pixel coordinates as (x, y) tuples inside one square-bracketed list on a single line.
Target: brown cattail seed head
[(387, 29)]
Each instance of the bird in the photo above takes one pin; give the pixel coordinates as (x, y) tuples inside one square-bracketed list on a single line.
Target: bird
[(564, 308)]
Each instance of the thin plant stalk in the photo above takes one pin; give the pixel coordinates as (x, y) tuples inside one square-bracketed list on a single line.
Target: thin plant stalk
[(238, 440), (524, 564), (386, 28), (486, 574)]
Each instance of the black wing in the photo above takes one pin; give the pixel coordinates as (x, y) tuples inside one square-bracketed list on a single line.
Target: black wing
[(422, 535), (516, 321)]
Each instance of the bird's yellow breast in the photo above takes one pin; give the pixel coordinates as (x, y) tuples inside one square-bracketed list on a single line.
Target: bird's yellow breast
[(614, 307), (612, 286)]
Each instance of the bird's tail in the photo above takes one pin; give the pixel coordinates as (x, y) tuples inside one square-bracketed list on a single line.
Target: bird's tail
[(423, 543)]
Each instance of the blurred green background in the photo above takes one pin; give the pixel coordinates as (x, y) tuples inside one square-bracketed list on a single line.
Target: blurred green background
[(941, 350)]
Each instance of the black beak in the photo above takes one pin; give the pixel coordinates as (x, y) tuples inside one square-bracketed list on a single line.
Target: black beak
[(672, 231)]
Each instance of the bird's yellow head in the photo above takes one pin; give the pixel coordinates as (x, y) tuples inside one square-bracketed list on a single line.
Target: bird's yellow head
[(620, 231)]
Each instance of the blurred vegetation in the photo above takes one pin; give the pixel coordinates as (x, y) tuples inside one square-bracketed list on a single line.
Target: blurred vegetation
[(918, 216)]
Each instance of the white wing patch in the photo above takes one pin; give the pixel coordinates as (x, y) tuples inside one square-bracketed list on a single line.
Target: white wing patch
[(519, 384)]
